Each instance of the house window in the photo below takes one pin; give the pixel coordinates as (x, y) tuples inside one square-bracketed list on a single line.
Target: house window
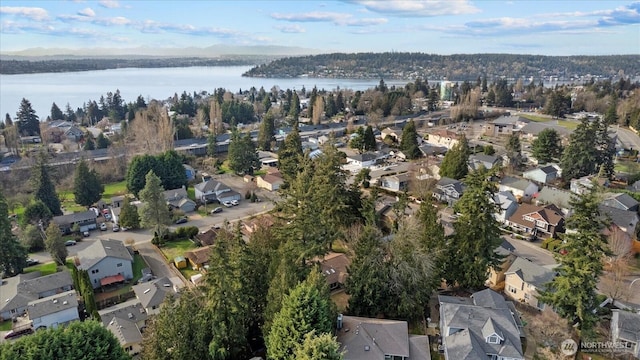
[(512, 289), (528, 218), (493, 339), (119, 265)]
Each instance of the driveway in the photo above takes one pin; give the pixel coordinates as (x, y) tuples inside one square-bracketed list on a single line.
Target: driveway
[(156, 261)]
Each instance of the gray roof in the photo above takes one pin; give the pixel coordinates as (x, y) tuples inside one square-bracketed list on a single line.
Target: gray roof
[(509, 120), (153, 293), (10, 298), (367, 338), (558, 197), (363, 157), (131, 310), (624, 199), (628, 325), (445, 182), (419, 347), (52, 304), (535, 128), (531, 273), (211, 186), (100, 250), (504, 199), (46, 283), (622, 218), (515, 183), (127, 332), (175, 194), (473, 323), (74, 218), (505, 248), (548, 169), (483, 158)]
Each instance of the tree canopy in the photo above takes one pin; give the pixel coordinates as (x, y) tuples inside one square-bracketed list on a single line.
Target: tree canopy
[(27, 120), (154, 212), (44, 190), (409, 142), (87, 188), (243, 158), (455, 162), (547, 146), (13, 256)]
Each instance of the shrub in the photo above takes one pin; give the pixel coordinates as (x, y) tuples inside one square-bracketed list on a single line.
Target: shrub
[(545, 243), (186, 232), (554, 245)]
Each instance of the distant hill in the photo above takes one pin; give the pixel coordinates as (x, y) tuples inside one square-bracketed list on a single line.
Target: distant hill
[(408, 66)]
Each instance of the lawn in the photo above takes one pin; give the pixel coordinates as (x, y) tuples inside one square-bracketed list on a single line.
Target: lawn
[(45, 269), (68, 202), (114, 189), (177, 248), (6, 325), (570, 125), (536, 118), (138, 265), (628, 167)]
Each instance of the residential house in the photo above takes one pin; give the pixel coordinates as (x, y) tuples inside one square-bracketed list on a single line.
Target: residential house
[(448, 190), (117, 201), (107, 262), (127, 322), (270, 181), (16, 292), (74, 133), (558, 197), (53, 311), (625, 330), (536, 221), (522, 189), (395, 183), (394, 133), (496, 275), (205, 238), (543, 175), (476, 161), (484, 326), (211, 190), (507, 203), (362, 160), (524, 279), (621, 201), (334, 267), (86, 220), (430, 171), (531, 130), (252, 225), (624, 220), (505, 125), (444, 138), (199, 257), (178, 199), (152, 294), (367, 338), (583, 184), (635, 187), (431, 150)]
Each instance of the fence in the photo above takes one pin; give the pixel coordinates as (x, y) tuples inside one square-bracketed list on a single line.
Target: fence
[(105, 303)]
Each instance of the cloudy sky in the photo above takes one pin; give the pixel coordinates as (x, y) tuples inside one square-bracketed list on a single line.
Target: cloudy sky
[(430, 26)]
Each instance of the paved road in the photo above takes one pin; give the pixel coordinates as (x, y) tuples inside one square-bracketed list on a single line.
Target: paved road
[(532, 251), (628, 138)]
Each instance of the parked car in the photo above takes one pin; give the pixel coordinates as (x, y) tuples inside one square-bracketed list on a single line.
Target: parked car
[(69, 243), (14, 334), (182, 220), (227, 204), (31, 262), (235, 202), (216, 210), (85, 234), (116, 228), (107, 217), (103, 227)]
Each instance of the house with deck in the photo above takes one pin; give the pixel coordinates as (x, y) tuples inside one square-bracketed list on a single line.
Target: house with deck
[(107, 262), (524, 279)]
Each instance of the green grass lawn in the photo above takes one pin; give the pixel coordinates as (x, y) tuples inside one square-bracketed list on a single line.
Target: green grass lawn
[(629, 167), (114, 189), (570, 125), (45, 269), (191, 193), (535, 118), (138, 265), (177, 248), (5, 325), (68, 202)]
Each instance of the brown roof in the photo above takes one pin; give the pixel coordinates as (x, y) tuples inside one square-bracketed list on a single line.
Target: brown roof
[(272, 178), (446, 133), (207, 237), (252, 225), (199, 256), (334, 267), (549, 214)]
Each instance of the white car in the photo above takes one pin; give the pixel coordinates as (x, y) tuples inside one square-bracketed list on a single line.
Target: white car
[(235, 202), (103, 227), (227, 204)]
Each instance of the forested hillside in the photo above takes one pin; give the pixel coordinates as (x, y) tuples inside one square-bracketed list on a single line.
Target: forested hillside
[(456, 67)]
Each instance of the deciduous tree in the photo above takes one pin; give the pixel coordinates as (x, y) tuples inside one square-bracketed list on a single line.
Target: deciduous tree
[(55, 244)]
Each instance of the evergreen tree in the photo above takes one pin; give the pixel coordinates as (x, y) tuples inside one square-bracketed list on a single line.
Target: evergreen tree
[(573, 292), (31, 238), (294, 108), (471, 251), (129, 216), (102, 142), (318, 347), (580, 157), (154, 212), (289, 155), (307, 308), (170, 170), (89, 144), (137, 171), (37, 213), (7, 120), (357, 141), (409, 142), (369, 139), (87, 188), (267, 132), (56, 113), (87, 340), (28, 122), (514, 151), (431, 235), (242, 155), (546, 146), (605, 149), (557, 104), (13, 256), (212, 145), (44, 189), (611, 116), (455, 162), (55, 244)]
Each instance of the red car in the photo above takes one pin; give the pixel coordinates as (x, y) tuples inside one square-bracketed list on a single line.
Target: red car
[(14, 334)]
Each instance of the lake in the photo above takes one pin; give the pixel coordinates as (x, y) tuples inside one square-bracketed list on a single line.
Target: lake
[(77, 88)]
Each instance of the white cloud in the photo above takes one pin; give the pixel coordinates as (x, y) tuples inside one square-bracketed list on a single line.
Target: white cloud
[(110, 4), (291, 29), (34, 13), (419, 8), (341, 19), (87, 12)]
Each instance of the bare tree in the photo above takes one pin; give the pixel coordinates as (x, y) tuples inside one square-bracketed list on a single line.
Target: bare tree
[(152, 129), (318, 110)]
